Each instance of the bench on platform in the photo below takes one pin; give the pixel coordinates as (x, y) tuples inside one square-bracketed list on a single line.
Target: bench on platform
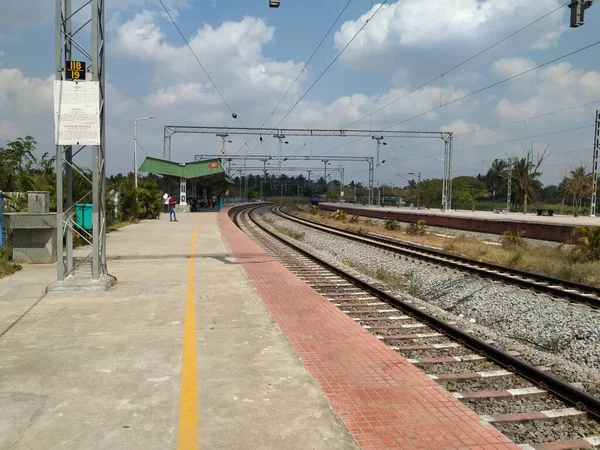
[(545, 212)]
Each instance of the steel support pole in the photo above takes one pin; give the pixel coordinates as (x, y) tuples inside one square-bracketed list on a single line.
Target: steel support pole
[(595, 166), (509, 184), (95, 152), (68, 157), (60, 266), (135, 171), (102, 51), (449, 185), (371, 176), (445, 179)]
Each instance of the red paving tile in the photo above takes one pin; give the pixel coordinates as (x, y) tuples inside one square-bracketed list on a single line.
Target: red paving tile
[(385, 402)]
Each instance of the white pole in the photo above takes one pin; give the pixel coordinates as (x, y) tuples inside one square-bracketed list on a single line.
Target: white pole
[(135, 168)]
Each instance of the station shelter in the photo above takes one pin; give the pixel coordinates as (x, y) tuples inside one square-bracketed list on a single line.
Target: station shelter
[(192, 180)]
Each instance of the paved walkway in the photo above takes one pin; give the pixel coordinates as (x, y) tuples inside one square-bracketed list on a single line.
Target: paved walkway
[(181, 350), (386, 402)]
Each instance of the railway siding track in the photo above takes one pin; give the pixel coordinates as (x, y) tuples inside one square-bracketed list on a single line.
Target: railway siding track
[(574, 292), (528, 404)]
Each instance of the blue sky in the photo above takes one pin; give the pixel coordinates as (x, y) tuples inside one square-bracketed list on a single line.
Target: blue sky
[(254, 53)]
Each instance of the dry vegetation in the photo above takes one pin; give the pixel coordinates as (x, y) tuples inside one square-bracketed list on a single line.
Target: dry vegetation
[(558, 260)]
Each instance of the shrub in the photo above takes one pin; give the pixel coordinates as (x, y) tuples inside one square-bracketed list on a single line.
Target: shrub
[(514, 260), (587, 247), (391, 224), (368, 222), (513, 240), (417, 229), (340, 215), (314, 210), (354, 219)]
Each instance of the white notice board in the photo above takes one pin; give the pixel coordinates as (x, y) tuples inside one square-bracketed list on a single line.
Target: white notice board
[(77, 112)]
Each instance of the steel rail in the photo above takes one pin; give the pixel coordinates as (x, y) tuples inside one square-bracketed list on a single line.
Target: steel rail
[(575, 292), (562, 389)]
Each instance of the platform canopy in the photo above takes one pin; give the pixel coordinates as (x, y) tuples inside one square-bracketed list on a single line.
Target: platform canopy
[(210, 170)]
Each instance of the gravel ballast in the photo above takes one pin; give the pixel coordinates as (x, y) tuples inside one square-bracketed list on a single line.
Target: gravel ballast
[(546, 332)]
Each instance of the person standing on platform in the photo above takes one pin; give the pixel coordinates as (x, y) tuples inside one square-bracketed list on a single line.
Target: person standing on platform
[(166, 203), (214, 201), (220, 203), (172, 212)]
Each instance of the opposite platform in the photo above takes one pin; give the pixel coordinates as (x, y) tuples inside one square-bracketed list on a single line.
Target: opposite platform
[(386, 402)]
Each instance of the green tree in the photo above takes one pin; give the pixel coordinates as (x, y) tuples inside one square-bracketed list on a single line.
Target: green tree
[(497, 176), (578, 184), (16, 161), (525, 173), (467, 190)]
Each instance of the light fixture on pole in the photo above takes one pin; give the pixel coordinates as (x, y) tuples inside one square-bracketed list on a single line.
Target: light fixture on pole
[(274, 3), (280, 137), (135, 121), (379, 140), (223, 137)]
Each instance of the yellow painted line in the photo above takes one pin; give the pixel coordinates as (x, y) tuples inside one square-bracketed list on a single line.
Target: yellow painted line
[(189, 434)]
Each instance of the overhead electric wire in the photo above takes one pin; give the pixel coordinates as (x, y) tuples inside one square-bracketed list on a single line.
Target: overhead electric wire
[(201, 65), (301, 72), (506, 124), (329, 66), (477, 91), (514, 33), (462, 63)]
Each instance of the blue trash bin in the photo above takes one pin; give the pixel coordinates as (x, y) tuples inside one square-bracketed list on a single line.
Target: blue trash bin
[(83, 215)]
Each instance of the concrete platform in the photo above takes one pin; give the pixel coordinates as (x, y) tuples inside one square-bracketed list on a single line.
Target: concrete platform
[(556, 228), (181, 354)]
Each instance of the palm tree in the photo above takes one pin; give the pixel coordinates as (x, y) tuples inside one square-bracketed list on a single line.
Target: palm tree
[(525, 172), (587, 247), (578, 184), (496, 177)]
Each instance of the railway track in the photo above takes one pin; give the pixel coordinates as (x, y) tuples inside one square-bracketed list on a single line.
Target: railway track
[(574, 292), (529, 405)]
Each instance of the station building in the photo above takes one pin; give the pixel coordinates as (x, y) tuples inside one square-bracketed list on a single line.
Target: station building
[(192, 180)]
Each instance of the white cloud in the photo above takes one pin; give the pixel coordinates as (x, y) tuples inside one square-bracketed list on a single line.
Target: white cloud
[(550, 88), (232, 54), (457, 26), (509, 67), (23, 97)]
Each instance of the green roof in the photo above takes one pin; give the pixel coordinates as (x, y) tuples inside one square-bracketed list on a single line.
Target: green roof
[(197, 169)]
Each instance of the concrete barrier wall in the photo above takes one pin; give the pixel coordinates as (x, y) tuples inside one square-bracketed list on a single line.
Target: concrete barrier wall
[(543, 231)]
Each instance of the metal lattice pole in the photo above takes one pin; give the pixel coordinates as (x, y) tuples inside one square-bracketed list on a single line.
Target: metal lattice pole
[(66, 45), (509, 184), (595, 165)]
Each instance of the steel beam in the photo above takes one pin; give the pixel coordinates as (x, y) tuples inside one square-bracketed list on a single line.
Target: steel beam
[(173, 129)]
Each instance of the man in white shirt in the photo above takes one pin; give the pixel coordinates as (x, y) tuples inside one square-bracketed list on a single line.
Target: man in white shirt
[(166, 203)]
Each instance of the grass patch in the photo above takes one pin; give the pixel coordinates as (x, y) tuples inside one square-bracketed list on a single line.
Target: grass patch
[(511, 240), (117, 226), (340, 215), (407, 282), (391, 224), (7, 266), (291, 233)]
